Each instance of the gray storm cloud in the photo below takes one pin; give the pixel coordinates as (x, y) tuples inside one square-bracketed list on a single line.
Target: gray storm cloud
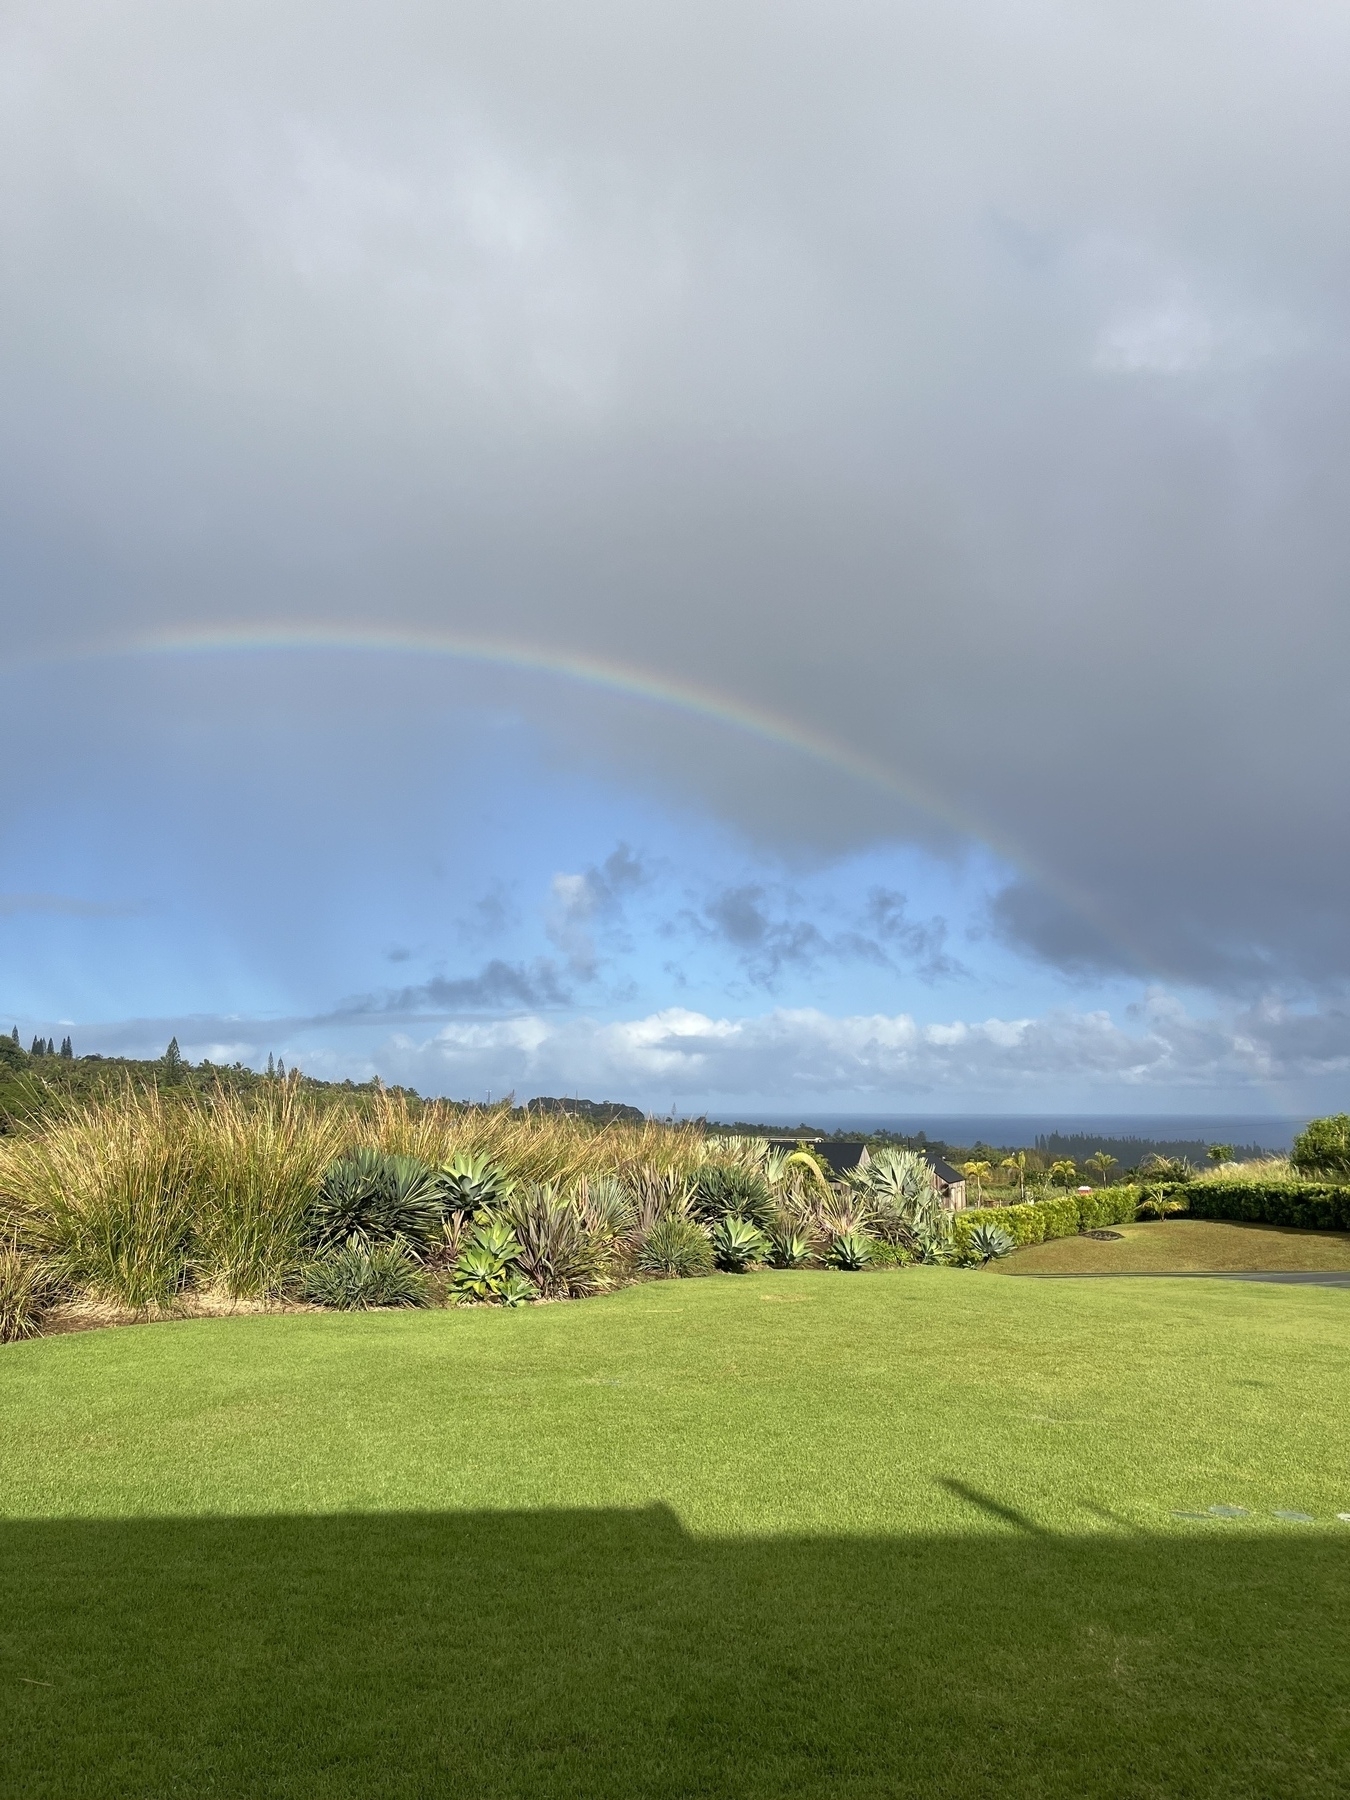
[(969, 382)]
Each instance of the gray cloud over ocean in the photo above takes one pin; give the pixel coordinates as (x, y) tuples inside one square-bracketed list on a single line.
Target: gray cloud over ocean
[(970, 384)]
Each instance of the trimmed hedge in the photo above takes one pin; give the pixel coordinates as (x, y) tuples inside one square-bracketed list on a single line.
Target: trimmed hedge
[(1034, 1221), (1309, 1205)]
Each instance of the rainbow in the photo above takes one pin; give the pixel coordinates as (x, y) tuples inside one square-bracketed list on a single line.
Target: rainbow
[(621, 679), (625, 681)]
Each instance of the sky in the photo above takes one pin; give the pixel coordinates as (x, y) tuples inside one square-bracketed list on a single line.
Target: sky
[(737, 558)]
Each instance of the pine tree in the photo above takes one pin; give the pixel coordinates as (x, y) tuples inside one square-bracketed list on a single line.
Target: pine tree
[(281, 1070), (15, 1034), (38, 1048), (51, 1046), (67, 1049), (271, 1065)]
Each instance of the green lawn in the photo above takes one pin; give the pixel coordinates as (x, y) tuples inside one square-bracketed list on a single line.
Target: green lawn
[(807, 1535), (1184, 1245)]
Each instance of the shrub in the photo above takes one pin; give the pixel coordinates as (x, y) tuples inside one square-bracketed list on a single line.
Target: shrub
[(724, 1190), (369, 1198), (676, 1247), (1034, 1221), (556, 1251), (1323, 1144), (354, 1278), (849, 1250), (737, 1243), (25, 1292), (903, 1206), (890, 1256), (1309, 1205)]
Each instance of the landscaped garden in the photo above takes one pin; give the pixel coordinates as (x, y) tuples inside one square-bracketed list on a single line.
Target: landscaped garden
[(798, 1497)]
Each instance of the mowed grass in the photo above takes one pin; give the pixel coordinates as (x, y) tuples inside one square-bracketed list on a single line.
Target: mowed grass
[(808, 1534), (1184, 1245)]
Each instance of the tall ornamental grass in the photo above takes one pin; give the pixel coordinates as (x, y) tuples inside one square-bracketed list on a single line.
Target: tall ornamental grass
[(24, 1293), (104, 1196), (556, 1148), (256, 1163)]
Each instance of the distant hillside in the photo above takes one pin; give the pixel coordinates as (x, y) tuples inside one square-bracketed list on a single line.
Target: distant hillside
[(33, 1085), (597, 1112), (1129, 1152)]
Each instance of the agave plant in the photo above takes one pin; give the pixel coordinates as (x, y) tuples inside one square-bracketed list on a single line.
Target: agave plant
[(513, 1289), (988, 1242), (473, 1181), (488, 1257), (477, 1274), (849, 1250), (789, 1246), (368, 1198), (737, 1243), (676, 1247)]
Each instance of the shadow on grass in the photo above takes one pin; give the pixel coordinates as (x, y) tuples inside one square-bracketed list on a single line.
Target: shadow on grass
[(609, 1653)]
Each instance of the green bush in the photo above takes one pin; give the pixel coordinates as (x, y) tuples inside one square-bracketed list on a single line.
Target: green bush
[(369, 1198), (1323, 1144), (676, 1247), (354, 1279), (886, 1255), (738, 1243), (1309, 1205), (1036, 1220)]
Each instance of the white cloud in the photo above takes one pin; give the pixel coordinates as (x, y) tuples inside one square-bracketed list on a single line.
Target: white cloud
[(791, 1056)]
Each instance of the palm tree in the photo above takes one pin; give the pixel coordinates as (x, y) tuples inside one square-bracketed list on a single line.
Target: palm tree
[(1103, 1164), (1016, 1164), (1065, 1172), (976, 1172)]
